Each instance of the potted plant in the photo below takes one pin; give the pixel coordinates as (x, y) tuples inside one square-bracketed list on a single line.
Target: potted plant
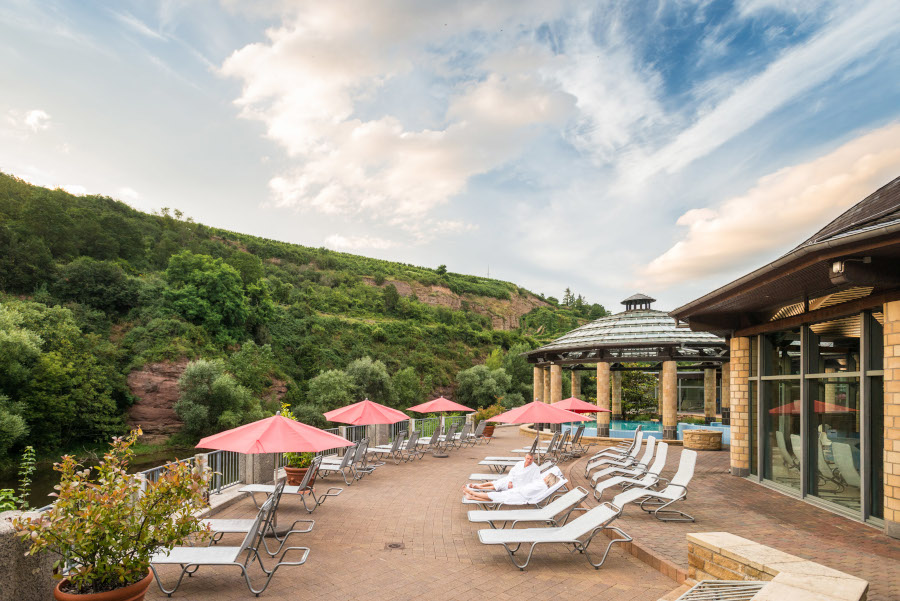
[(484, 413), (295, 464), (106, 527)]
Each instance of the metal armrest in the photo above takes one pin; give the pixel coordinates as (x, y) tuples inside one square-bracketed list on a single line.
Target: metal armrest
[(292, 563)]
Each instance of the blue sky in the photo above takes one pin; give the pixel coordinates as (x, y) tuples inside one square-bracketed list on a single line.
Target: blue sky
[(611, 147)]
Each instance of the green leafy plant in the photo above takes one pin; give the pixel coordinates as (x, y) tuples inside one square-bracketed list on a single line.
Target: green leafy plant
[(295, 460), (26, 468), (8, 499), (484, 413), (106, 528)]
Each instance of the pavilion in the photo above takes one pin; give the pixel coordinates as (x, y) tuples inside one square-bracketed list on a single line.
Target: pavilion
[(638, 335), (815, 364)]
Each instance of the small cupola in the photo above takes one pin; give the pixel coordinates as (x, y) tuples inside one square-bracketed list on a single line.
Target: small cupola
[(638, 302)]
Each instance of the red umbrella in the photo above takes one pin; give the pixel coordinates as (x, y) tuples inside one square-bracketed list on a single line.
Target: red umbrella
[(538, 412), (439, 405), (274, 434), (576, 405), (366, 413), (818, 407)]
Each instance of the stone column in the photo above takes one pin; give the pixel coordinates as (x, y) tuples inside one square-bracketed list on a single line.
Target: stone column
[(546, 397), (659, 393), (382, 435), (603, 398), (538, 384), (669, 376), (257, 469), (891, 419), (740, 406), (726, 394), (555, 383), (709, 394), (576, 384), (617, 395)]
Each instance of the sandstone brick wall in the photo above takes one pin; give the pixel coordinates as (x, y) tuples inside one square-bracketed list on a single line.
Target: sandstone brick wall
[(740, 406), (892, 418)]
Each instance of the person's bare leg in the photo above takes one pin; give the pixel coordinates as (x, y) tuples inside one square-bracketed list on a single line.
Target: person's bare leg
[(477, 496)]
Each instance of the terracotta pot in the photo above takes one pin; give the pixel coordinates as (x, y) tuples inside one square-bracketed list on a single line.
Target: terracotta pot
[(132, 592), (295, 475), (488, 430)]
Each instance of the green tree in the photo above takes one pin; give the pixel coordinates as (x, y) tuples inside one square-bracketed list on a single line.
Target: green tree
[(249, 266), (19, 349), (638, 396), (372, 381), (211, 400), (408, 387), (391, 298), (480, 386), (495, 359), (207, 292), (441, 270), (99, 284), (252, 366), (13, 428), (331, 390)]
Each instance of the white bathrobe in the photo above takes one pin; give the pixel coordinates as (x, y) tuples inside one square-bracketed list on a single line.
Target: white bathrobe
[(519, 475)]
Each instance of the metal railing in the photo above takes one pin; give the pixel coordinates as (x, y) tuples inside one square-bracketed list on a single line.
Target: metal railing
[(355, 433), (226, 469), (154, 473), (329, 452), (459, 420), (395, 429), (427, 425)]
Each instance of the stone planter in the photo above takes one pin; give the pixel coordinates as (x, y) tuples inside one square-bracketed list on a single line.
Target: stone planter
[(488, 430), (295, 476), (703, 440)]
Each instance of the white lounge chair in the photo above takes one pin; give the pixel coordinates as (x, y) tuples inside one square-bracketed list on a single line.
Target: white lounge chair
[(656, 502), (478, 435), (623, 449), (559, 485), (646, 479), (623, 468), (411, 450), (578, 533), (305, 491), (554, 514), (843, 457), (490, 477), (626, 460), (190, 559), (787, 458), (342, 466), (393, 450), (220, 527)]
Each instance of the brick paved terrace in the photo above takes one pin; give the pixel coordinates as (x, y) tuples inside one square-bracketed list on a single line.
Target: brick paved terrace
[(722, 502), (418, 504)]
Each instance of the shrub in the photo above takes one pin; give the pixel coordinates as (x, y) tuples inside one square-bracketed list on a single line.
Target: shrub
[(211, 400), (105, 528), (480, 386), (331, 389), (487, 413)]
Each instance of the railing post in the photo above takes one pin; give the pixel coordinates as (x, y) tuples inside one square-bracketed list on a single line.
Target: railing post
[(343, 431), (412, 425)]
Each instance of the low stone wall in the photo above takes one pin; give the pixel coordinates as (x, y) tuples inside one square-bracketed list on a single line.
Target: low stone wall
[(725, 556), (22, 578), (528, 430), (702, 440)]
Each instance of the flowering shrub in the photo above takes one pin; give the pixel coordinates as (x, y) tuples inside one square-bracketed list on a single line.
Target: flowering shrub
[(105, 528), (484, 413), (296, 460)]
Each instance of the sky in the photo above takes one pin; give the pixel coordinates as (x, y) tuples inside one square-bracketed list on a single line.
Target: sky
[(608, 147)]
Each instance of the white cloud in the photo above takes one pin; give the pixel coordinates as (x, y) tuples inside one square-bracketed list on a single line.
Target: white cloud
[(76, 189), (337, 241), (128, 194), (782, 209), (849, 37), (33, 121), (310, 80)]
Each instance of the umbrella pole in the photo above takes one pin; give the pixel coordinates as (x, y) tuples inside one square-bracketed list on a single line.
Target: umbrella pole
[(441, 453)]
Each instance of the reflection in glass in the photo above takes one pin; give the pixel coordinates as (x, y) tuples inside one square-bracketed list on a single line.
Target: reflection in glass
[(835, 345), (754, 440), (835, 440), (782, 353), (783, 453), (876, 341), (876, 455)]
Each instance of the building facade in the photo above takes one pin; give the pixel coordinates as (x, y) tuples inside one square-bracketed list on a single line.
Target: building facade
[(815, 364)]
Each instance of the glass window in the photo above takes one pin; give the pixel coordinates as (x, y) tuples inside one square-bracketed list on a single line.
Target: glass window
[(783, 453), (835, 345), (876, 341), (754, 440), (782, 353), (876, 447), (834, 440)]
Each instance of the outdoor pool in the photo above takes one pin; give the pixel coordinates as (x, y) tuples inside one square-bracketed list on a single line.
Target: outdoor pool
[(625, 429)]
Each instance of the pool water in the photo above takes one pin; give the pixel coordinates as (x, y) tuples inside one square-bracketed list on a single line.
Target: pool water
[(624, 429), (618, 424)]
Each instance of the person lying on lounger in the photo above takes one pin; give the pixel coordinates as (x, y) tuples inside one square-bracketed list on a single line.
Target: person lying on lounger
[(515, 495), (522, 473)]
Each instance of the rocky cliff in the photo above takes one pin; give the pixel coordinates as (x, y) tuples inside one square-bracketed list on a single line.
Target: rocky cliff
[(156, 388)]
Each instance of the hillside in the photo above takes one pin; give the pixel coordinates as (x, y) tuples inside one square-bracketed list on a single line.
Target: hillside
[(103, 307)]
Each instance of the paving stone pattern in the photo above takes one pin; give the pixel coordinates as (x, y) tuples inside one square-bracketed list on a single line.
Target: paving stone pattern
[(418, 504), (722, 502)]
